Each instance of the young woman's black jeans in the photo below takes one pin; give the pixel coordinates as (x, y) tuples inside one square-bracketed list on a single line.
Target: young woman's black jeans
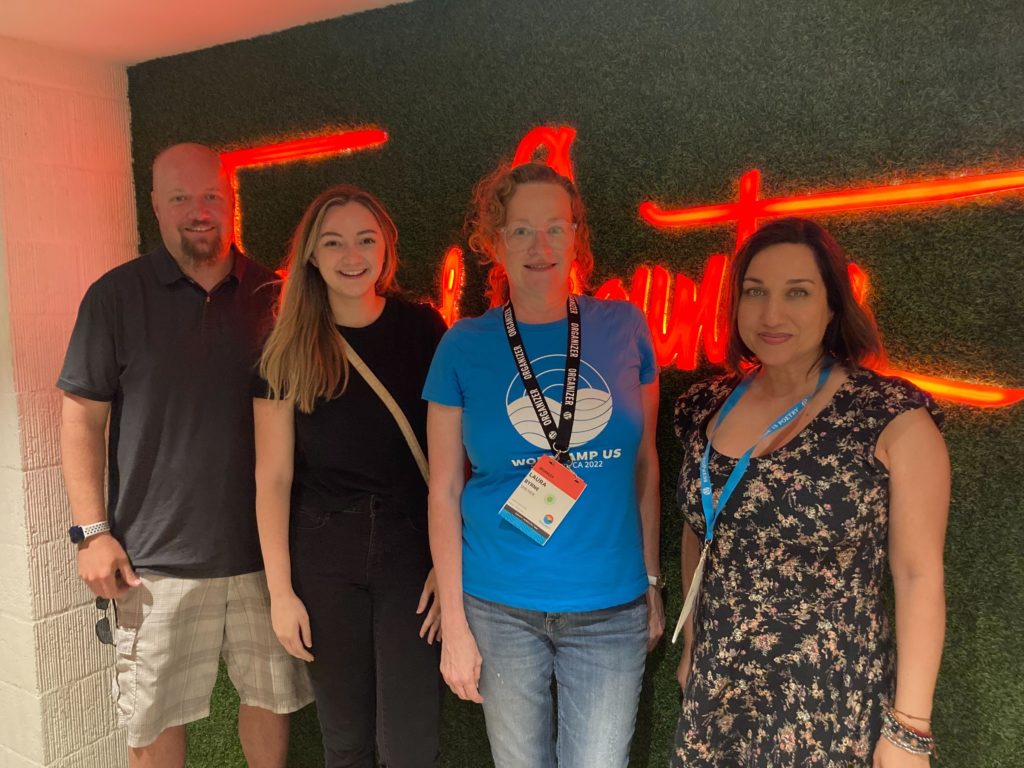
[(360, 572)]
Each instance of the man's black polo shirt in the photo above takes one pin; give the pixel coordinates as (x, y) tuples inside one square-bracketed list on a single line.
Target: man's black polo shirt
[(176, 366)]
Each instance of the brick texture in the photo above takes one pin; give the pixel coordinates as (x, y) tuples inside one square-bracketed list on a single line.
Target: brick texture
[(67, 214)]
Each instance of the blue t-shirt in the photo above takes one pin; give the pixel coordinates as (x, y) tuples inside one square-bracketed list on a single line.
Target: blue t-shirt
[(595, 558)]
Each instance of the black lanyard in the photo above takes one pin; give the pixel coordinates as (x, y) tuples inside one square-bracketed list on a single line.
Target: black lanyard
[(558, 436)]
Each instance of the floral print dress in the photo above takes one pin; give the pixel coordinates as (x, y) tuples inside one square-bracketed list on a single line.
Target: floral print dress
[(793, 653)]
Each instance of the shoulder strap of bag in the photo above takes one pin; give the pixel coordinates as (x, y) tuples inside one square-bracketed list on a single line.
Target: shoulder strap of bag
[(382, 392)]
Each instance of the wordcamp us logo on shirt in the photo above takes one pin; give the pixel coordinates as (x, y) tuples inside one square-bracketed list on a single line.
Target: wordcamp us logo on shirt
[(593, 407)]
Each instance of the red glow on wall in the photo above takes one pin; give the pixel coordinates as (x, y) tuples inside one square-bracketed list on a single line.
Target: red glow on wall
[(451, 284), (682, 316), (858, 282), (750, 208), (679, 313), (304, 149), (312, 148), (978, 395), (556, 141)]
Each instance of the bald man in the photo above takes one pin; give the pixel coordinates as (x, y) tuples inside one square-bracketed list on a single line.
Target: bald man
[(162, 351)]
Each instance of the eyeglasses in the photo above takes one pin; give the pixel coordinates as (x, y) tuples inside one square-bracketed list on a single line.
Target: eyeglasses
[(559, 235), (103, 631)]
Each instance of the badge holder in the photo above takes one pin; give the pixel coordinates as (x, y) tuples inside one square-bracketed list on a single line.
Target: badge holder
[(543, 499)]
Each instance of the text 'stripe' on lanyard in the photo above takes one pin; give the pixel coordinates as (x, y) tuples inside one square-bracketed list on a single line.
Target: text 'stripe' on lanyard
[(713, 510), (544, 497)]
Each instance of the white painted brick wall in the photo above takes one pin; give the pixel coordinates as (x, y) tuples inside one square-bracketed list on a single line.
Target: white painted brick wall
[(67, 215)]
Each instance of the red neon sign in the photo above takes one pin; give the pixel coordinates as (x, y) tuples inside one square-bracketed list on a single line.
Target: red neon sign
[(693, 316), (557, 141), (678, 330), (980, 395), (311, 148), (451, 284), (750, 207)]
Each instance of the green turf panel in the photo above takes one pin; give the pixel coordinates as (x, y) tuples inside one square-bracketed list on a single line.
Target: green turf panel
[(673, 101)]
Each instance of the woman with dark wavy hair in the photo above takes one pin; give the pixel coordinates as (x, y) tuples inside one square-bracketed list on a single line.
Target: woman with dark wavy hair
[(803, 472)]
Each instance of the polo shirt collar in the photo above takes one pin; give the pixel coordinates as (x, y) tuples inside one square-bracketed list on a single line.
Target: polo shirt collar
[(168, 271)]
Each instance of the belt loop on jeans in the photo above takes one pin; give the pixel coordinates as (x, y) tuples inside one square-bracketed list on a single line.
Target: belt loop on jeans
[(376, 502)]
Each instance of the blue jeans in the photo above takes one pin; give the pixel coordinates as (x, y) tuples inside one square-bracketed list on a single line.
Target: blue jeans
[(597, 659)]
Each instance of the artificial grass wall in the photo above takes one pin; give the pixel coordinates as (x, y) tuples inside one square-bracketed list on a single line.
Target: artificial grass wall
[(673, 100)]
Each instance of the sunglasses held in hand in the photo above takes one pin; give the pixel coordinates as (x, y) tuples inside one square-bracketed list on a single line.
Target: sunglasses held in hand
[(103, 630)]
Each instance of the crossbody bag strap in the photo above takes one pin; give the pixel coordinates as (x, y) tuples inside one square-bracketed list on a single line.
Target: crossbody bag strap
[(382, 392)]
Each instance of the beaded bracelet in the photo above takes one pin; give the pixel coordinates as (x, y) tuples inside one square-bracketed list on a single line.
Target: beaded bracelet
[(911, 717), (905, 737)]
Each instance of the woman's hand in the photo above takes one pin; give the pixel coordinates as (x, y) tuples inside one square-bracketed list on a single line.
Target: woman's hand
[(683, 670), (430, 630), (460, 664), (888, 755), (291, 625), (655, 618)]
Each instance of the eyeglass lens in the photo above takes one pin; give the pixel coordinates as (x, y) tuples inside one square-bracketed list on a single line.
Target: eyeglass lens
[(103, 630), (558, 236)]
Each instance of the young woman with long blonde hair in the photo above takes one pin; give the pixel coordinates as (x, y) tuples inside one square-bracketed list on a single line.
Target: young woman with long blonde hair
[(340, 500)]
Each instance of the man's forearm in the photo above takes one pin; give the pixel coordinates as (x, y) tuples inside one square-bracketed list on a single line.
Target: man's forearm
[(83, 453)]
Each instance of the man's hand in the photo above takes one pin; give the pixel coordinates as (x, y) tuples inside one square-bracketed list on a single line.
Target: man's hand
[(104, 566)]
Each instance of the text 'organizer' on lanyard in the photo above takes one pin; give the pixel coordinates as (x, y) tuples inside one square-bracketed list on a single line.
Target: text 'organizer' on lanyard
[(713, 510), (549, 490)]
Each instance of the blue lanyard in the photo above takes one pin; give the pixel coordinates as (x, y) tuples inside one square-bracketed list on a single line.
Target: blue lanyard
[(712, 511)]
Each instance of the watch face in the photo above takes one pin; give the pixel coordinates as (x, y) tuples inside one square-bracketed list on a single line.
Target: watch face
[(76, 534)]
